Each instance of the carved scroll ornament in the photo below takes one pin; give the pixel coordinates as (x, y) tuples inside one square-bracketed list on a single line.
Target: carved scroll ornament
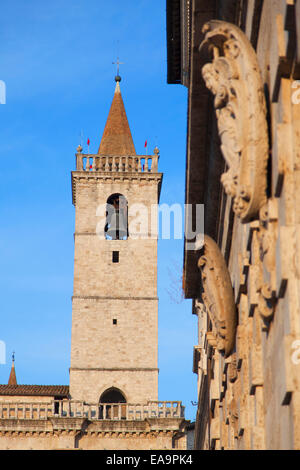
[(233, 77), (218, 295)]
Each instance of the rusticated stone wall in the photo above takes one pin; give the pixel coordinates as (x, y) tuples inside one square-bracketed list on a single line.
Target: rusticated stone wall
[(251, 398)]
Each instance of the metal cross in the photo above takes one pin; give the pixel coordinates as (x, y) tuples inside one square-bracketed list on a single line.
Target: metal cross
[(117, 63), (13, 356)]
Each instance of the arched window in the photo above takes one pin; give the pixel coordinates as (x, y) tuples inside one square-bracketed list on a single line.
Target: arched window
[(116, 224), (114, 411), (112, 395)]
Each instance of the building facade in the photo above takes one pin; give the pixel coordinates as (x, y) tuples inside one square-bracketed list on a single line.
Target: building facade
[(112, 400), (241, 63)]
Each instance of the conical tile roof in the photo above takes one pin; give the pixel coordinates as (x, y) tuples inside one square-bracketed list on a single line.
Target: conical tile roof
[(117, 138), (12, 377)]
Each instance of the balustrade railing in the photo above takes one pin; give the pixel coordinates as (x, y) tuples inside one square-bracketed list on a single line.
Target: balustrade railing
[(99, 411), (136, 163)]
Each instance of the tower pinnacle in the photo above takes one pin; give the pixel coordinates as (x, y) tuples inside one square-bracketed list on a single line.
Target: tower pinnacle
[(12, 377), (117, 138)]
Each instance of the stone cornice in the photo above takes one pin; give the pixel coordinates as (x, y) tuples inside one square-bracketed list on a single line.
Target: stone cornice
[(129, 369), (111, 176), (98, 297), (101, 428), (149, 236), (116, 175)]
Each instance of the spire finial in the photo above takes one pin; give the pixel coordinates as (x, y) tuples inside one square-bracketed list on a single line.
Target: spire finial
[(13, 356), (118, 63)]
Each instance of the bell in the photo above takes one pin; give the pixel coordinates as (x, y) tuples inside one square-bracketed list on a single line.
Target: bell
[(117, 228)]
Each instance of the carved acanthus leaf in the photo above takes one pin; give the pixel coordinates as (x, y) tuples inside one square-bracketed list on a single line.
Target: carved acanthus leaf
[(233, 77)]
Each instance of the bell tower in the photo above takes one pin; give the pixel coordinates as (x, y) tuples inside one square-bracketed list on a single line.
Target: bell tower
[(114, 303)]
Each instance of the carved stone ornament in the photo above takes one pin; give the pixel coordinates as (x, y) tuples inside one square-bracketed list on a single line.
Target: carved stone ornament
[(266, 279), (234, 416), (232, 368), (218, 295), (234, 78)]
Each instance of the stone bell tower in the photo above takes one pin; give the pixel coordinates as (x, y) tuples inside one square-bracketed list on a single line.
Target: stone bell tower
[(114, 304)]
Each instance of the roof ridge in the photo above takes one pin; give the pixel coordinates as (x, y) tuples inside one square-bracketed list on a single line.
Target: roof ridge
[(32, 385), (32, 389)]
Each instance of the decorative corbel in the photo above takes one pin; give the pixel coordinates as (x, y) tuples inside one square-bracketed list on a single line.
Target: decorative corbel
[(232, 75), (234, 416), (266, 279), (232, 368), (218, 295)]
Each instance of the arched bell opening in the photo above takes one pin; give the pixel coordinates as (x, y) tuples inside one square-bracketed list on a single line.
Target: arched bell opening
[(116, 224), (112, 395), (108, 407)]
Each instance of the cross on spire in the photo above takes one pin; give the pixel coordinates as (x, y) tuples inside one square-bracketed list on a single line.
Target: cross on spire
[(117, 63)]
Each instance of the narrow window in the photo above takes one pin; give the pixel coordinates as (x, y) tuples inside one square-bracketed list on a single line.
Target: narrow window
[(115, 256), (114, 321)]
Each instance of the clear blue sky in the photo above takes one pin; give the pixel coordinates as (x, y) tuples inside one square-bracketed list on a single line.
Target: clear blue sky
[(56, 60)]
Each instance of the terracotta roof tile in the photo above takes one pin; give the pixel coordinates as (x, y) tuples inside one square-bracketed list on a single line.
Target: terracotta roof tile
[(117, 138), (35, 390), (12, 377)]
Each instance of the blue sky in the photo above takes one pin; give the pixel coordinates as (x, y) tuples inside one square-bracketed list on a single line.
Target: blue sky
[(56, 60)]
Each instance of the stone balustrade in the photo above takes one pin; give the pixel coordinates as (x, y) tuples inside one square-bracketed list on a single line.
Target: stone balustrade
[(135, 163), (74, 409)]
